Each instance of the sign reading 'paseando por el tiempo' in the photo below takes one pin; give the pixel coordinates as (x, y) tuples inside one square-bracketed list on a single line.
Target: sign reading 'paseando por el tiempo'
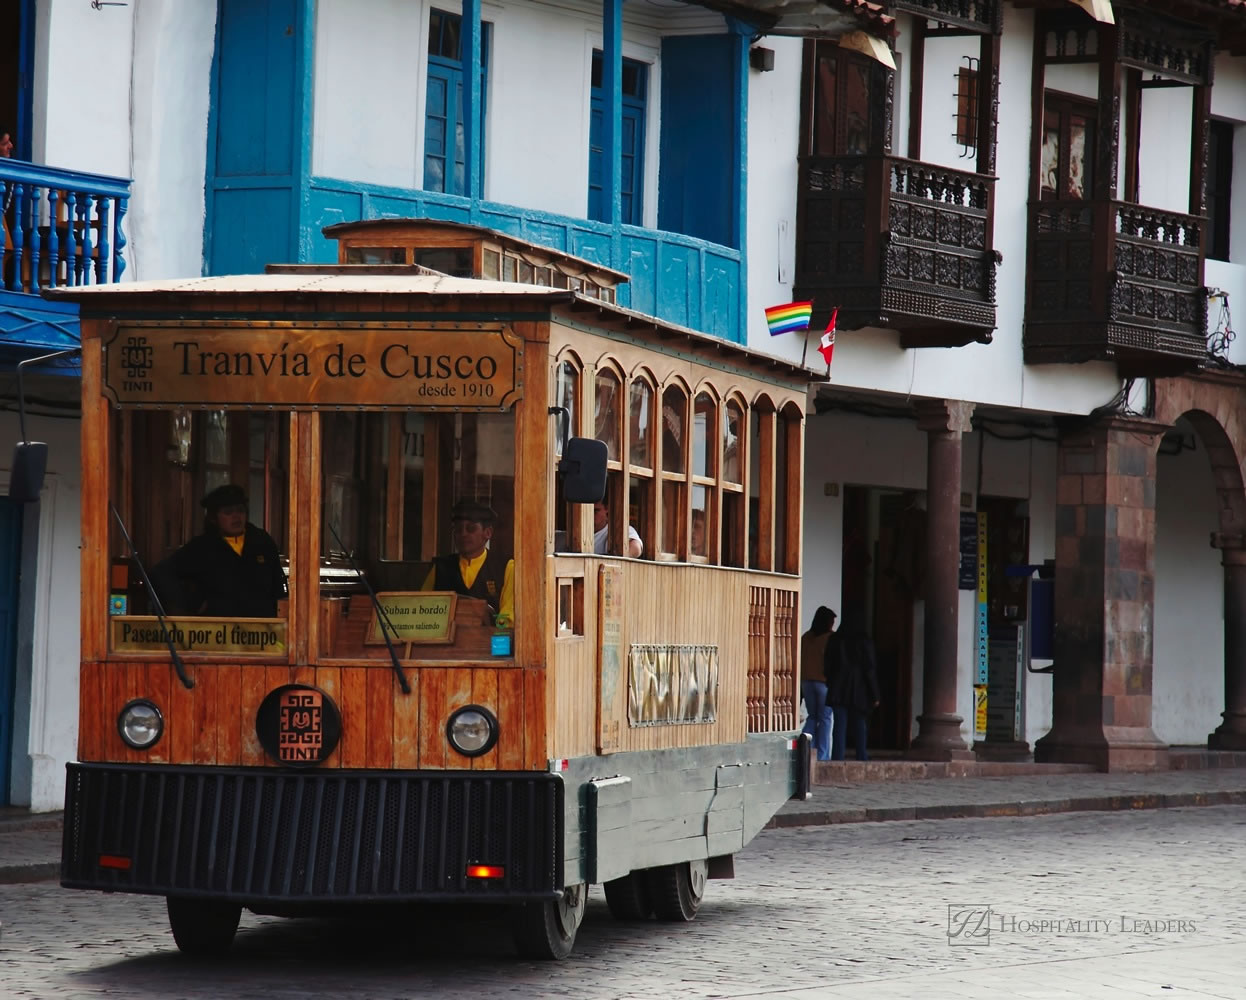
[(185, 364)]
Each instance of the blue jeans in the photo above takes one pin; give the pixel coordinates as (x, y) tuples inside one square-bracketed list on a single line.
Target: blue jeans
[(845, 717), (818, 725)]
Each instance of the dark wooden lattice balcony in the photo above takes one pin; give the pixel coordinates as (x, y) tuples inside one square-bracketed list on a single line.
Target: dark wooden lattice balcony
[(1114, 280), (897, 243)]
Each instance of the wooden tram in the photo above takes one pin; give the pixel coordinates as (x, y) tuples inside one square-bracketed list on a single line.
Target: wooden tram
[(633, 724)]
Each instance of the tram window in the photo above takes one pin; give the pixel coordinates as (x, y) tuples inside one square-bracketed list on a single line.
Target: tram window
[(606, 413), (566, 425), (702, 520), (674, 468), (166, 464), (390, 484), (376, 255), (733, 442), (639, 411), (732, 520), (641, 483), (781, 472), (733, 529), (454, 261)]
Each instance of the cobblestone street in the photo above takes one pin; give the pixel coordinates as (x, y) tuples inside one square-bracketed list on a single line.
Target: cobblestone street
[(1112, 905)]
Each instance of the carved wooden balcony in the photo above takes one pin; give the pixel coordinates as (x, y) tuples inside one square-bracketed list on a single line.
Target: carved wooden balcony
[(897, 243), (1114, 280)]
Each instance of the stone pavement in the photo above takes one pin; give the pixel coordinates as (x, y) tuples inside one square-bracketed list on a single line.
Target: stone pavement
[(30, 845)]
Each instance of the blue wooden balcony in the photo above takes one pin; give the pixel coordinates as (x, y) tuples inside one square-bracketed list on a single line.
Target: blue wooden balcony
[(60, 227), (677, 278)]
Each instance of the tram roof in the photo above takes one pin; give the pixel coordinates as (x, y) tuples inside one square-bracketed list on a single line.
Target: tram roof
[(336, 280)]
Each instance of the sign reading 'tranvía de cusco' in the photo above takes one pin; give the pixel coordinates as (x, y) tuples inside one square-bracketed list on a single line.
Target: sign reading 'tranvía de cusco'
[(469, 366)]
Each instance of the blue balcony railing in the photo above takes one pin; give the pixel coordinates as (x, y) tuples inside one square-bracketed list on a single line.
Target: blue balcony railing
[(677, 278), (60, 227)]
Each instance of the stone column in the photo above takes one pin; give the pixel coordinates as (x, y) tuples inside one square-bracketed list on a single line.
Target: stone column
[(1105, 598), (938, 735), (1231, 733)]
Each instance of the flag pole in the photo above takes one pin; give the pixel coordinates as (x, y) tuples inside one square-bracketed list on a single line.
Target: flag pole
[(804, 350)]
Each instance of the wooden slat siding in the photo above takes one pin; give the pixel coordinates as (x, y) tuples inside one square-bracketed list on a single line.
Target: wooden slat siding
[(510, 720), (252, 689), (121, 688), (432, 709), (572, 669), (382, 690), (159, 677), (537, 703), (758, 656), (407, 721), (485, 694), (229, 726), (783, 671), (329, 680), (95, 493), (458, 694), (204, 716), (353, 704), (181, 718), (90, 718)]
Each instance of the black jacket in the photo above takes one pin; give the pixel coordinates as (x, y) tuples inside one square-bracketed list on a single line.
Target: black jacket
[(207, 577), (488, 583), (851, 676)]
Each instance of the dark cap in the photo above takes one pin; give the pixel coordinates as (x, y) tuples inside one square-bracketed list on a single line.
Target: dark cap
[(224, 496), (473, 510)]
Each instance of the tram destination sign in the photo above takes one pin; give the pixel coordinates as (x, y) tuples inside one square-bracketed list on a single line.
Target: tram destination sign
[(465, 367), (148, 634)]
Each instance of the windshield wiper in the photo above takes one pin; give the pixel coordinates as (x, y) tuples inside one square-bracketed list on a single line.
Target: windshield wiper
[(178, 665), (382, 615)]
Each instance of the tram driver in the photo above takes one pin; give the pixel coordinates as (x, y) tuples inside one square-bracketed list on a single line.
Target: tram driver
[(474, 569), (231, 570)]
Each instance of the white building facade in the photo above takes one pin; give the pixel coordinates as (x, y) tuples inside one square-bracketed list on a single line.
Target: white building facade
[(674, 142)]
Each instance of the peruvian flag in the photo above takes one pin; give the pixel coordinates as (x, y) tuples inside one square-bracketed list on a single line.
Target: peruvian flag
[(827, 343)]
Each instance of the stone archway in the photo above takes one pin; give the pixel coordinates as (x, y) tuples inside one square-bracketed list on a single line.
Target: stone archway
[(1214, 404)]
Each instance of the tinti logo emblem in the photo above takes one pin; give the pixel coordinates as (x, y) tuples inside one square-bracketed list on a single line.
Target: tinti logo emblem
[(136, 357), (299, 731), (968, 926)]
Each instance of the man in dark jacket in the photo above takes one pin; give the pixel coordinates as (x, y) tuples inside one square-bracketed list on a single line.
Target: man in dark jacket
[(473, 569), (851, 689), (232, 570)]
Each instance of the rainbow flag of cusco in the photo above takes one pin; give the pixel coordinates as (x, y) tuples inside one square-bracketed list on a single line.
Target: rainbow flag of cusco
[(785, 319)]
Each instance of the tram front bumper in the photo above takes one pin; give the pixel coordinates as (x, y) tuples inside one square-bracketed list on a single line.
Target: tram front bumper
[(264, 835)]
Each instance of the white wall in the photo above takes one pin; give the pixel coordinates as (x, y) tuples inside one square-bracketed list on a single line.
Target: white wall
[(46, 703), (173, 43), (872, 359), (537, 125), (1188, 674)]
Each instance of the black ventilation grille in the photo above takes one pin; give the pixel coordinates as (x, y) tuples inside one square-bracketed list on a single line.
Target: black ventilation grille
[(277, 835)]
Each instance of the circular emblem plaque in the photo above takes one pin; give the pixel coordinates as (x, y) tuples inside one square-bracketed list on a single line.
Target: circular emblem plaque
[(298, 725)]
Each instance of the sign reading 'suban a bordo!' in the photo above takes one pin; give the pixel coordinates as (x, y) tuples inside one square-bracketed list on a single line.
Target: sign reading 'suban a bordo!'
[(467, 366)]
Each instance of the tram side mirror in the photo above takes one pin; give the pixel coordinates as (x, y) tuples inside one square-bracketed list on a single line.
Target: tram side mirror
[(30, 461), (583, 470)]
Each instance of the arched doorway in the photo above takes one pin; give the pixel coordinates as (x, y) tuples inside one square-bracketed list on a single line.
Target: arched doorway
[(1199, 680)]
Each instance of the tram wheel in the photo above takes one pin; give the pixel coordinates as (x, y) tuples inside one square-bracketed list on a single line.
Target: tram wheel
[(546, 929), (628, 897), (677, 890), (203, 928)]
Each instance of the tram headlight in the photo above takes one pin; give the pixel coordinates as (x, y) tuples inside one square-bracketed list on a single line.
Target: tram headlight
[(472, 730), (140, 724)]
